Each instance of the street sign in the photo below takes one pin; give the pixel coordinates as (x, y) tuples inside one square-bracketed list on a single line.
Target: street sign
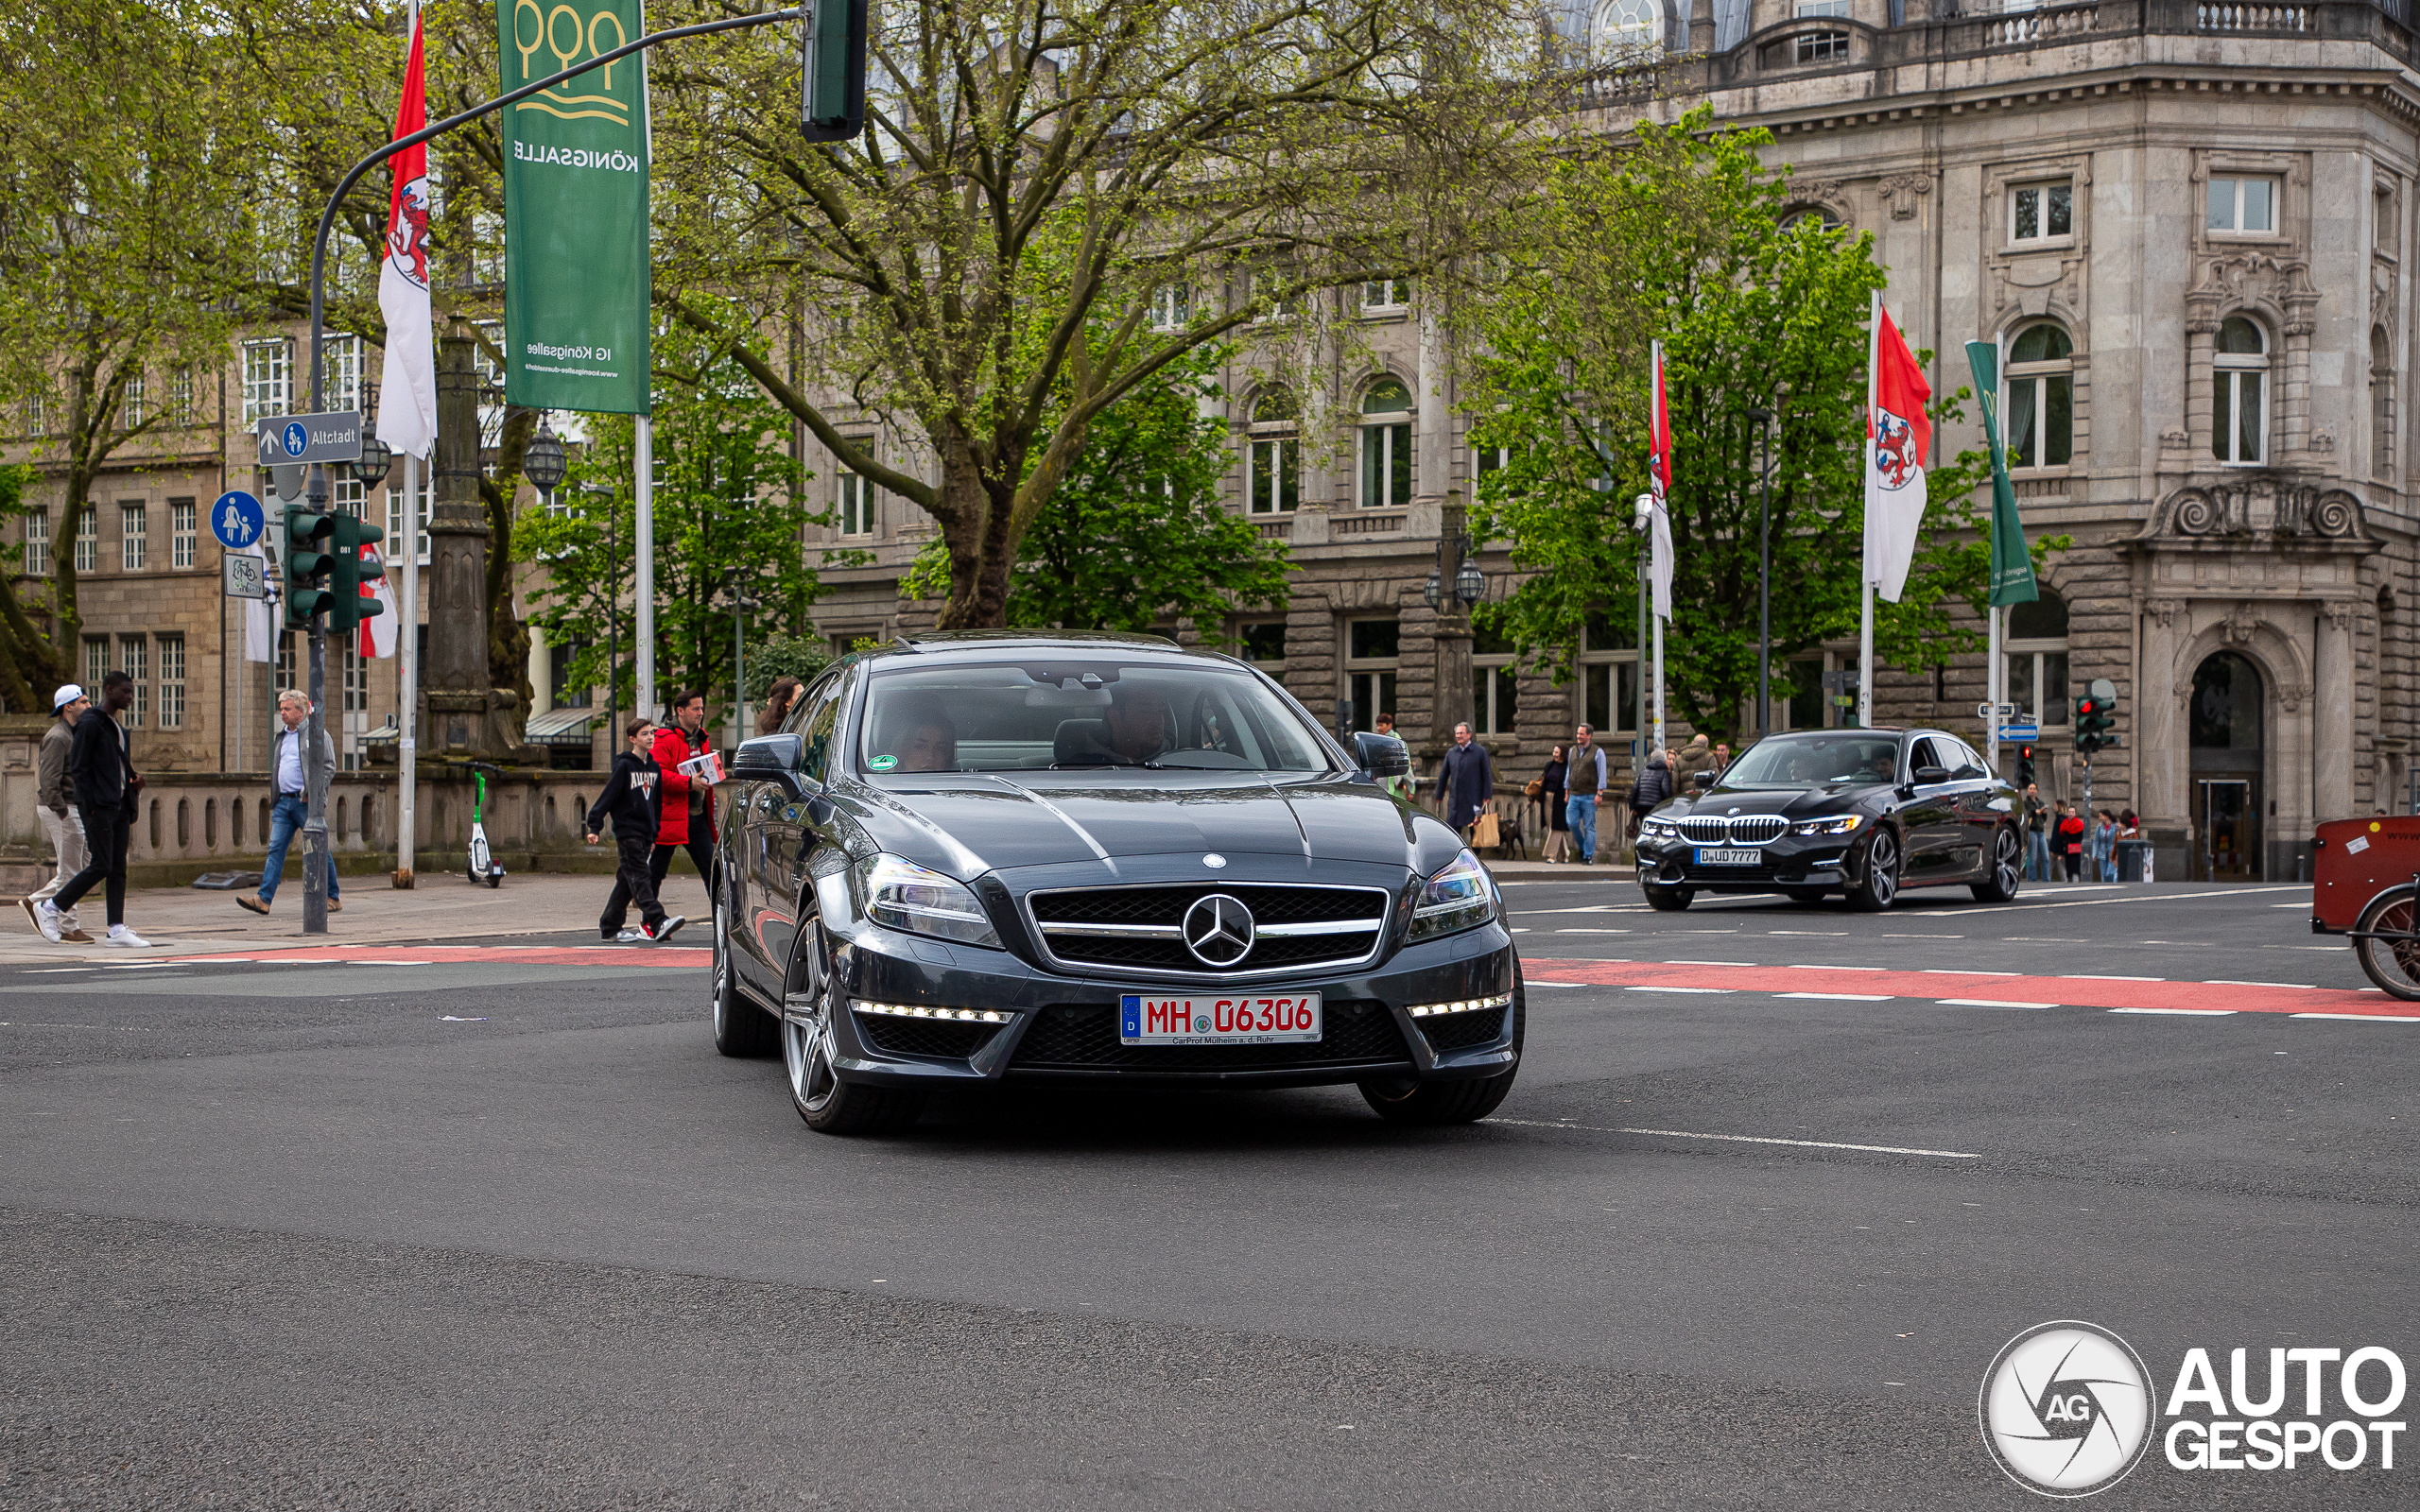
[(1843, 681), (1988, 711), (236, 520), (2023, 732), (247, 575), (286, 478), (332, 437)]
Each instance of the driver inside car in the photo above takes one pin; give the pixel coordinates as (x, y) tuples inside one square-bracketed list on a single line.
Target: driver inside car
[(1136, 725), (925, 738)]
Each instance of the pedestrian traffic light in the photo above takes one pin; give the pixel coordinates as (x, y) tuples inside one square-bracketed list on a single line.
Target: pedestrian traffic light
[(833, 108), (2024, 767), (2093, 721), (307, 565), (347, 609)]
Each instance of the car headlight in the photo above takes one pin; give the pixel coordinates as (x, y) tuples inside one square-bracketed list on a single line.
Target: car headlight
[(1660, 829), (1459, 897), (1836, 824), (899, 894)]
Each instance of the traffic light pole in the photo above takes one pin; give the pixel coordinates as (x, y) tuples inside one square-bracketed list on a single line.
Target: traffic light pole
[(315, 775)]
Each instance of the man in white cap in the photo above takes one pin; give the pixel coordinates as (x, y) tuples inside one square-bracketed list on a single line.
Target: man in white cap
[(55, 801)]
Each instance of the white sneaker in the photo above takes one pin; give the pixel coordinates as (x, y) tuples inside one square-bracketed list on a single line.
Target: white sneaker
[(630, 937), (120, 934), (46, 920)]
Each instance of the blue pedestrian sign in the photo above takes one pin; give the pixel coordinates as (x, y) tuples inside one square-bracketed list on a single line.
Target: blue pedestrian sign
[(236, 519), (295, 438)]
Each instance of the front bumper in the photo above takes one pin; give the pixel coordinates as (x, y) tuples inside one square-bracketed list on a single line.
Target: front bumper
[(1063, 1027), (1792, 861)]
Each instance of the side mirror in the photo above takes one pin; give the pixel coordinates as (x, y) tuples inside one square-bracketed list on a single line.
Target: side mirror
[(1380, 755), (768, 756), (1929, 775), (1702, 781)]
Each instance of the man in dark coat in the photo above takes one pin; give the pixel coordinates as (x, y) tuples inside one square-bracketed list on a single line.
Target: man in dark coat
[(101, 768), (1467, 779)]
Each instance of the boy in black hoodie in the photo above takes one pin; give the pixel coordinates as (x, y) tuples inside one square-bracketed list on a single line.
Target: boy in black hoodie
[(629, 800)]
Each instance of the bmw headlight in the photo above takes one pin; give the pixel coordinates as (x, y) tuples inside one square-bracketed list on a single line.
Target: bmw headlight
[(1658, 829), (1459, 897), (1834, 824), (899, 894)]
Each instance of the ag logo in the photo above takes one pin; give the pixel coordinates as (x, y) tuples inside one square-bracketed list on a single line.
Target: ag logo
[(2066, 1409)]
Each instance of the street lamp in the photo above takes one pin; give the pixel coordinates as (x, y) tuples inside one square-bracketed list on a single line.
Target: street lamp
[(369, 468), (1470, 584), (1765, 420), (544, 462)]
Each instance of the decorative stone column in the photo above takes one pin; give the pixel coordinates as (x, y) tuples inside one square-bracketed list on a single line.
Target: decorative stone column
[(456, 687)]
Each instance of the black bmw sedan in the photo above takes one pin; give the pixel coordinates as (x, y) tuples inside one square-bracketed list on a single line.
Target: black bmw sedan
[(977, 858), (1867, 813)]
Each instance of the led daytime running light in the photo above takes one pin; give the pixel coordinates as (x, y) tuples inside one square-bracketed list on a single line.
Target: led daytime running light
[(913, 1010), (1431, 1010)]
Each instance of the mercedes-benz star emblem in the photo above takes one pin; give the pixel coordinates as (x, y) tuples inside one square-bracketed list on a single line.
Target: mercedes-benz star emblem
[(1218, 930), (1215, 861)]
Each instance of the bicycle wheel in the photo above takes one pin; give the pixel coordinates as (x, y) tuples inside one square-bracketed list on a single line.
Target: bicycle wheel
[(2392, 964)]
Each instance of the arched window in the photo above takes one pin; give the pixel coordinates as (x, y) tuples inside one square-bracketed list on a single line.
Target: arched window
[(2040, 397), (2240, 394), (1623, 24), (2036, 649), (1818, 216), (1385, 446), (2381, 404), (1273, 454)]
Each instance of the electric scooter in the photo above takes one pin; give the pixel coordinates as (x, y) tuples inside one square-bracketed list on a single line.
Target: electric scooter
[(483, 867)]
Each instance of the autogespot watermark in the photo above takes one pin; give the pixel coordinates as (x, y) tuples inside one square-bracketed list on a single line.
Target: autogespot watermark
[(2069, 1409)]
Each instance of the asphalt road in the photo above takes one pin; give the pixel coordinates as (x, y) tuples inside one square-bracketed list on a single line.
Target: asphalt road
[(484, 1231)]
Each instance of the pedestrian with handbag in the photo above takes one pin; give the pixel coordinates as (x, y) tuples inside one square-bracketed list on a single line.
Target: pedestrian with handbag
[(1558, 826), (2072, 835), (101, 764)]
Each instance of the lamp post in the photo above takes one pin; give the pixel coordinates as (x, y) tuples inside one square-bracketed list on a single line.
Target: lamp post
[(740, 605), (1642, 518), (1765, 420), (1470, 584)]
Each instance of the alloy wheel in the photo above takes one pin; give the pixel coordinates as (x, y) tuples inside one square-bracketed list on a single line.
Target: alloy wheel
[(2007, 869), (1882, 868), (806, 1054)]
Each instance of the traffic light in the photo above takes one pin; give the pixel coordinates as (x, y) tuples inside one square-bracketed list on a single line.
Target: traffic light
[(307, 565), (833, 107), (2093, 721), (347, 609), (2024, 767)]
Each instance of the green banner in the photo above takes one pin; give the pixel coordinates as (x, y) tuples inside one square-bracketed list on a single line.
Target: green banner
[(2012, 563), (576, 292)]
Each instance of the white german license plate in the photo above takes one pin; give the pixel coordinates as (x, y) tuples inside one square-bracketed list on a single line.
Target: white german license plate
[(1145, 1020), (1707, 856)]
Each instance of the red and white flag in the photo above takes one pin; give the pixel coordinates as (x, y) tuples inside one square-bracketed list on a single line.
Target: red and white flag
[(1898, 434), (378, 631), (1659, 471), (408, 418)]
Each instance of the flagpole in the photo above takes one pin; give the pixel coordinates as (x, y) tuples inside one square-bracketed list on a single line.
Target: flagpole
[(643, 590), (407, 680), (1658, 743), (1865, 613), (1994, 674)]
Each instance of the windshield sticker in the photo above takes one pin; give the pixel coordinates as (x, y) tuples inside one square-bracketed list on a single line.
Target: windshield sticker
[(882, 763)]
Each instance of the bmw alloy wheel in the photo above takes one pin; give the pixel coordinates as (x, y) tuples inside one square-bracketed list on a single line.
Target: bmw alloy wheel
[(1881, 887)]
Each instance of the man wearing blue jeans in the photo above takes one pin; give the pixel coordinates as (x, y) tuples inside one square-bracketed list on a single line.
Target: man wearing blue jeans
[(293, 803), (1583, 785)]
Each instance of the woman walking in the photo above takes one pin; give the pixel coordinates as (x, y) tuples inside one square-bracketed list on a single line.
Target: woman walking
[(1550, 795)]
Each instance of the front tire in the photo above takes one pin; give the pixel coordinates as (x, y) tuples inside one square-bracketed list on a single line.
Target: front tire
[(2007, 869), (1430, 1104), (1879, 888), (825, 1103), (742, 1030), (1667, 900), (2392, 964)]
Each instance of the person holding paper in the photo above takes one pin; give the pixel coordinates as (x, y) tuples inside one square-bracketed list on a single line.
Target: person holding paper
[(689, 821)]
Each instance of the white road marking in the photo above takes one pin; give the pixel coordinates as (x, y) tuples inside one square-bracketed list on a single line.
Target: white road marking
[(390, 963), (2090, 976), (1743, 1139), (1803, 966), (2196, 1013), (1828, 933), (1535, 982), (1715, 989), (2363, 1018), (1944, 970), (1841, 997), (1592, 908), (2298, 987), (1709, 963), (1988, 1002), (2094, 902), (1592, 930)]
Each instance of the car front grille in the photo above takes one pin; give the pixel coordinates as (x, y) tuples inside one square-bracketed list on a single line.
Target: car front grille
[(1460, 1031), (1084, 1036), (1140, 929), (1746, 829), (923, 1036)]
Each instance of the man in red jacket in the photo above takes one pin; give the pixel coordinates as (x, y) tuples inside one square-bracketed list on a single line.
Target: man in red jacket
[(688, 806)]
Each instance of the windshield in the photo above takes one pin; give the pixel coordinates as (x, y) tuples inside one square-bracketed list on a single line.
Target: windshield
[(1052, 713), (1818, 760)]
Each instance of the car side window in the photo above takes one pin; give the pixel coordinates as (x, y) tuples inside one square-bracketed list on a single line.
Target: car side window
[(1964, 766), (817, 718), (1921, 754)]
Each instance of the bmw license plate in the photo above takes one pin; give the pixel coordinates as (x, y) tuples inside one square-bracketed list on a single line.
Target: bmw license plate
[(1144, 1020), (1708, 856)]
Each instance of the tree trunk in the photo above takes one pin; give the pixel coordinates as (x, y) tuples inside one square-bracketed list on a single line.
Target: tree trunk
[(974, 520)]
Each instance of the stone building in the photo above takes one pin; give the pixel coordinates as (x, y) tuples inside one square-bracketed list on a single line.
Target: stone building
[(2193, 225)]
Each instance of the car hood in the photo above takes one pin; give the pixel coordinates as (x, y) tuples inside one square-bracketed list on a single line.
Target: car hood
[(967, 824), (1789, 802)]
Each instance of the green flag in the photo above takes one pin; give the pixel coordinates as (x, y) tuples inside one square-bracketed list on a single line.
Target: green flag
[(575, 291), (2012, 563)]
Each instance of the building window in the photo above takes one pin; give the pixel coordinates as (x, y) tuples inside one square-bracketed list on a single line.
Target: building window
[(38, 413), (172, 682), (355, 697), (340, 359), (1371, 651), (184, 539), (1821, 216), (97, 663), (1806, 707), (1385, 293), (395, 514), (1264, 647), (1806, 9), (88, 539), (1171, 307), (38, 543), (491, 375), (2040, 397), (268, 379), (2242, 206), (132, 652), (1495, 684), (134, 535), (285, 661), (1629, 23), (2037, 658), (2381, 404), (1273, 456), (560, 691), (856, 505), (1272, 299), (180, 396), (1385, 446), (2238, 412), (129, 402), (1608, 673), (2041, 212), (487, 247), (1822, 47), (349, 496)]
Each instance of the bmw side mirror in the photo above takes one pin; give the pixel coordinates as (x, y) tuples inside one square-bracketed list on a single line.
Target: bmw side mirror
[(1380, 755)]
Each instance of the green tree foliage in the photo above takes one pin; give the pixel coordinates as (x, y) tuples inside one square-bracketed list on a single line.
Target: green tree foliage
[(1675, 234), (784, 656), (1137, 532), (727, 518)]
